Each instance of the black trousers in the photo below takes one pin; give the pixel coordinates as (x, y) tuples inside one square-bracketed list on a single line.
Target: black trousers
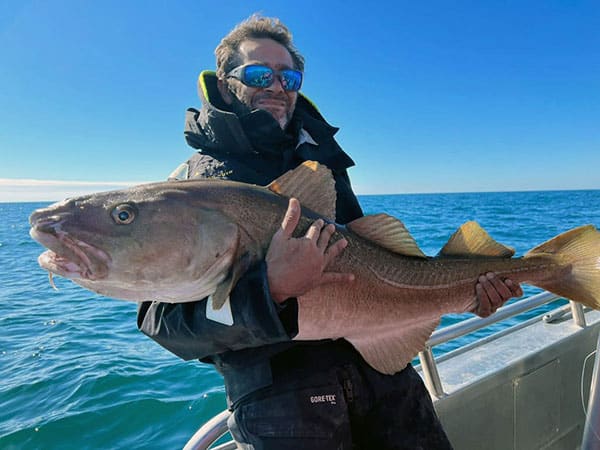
[(346, 407)]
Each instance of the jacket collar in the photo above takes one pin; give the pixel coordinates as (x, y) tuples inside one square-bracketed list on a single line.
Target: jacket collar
[(214, 128)]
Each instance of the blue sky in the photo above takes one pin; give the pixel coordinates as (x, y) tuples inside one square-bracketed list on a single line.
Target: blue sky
[(433, 96)]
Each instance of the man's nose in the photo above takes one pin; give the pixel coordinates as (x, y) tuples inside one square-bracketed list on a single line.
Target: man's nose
[(277, 85)]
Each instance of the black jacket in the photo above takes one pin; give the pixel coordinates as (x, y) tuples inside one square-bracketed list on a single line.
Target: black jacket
[(251, 149)]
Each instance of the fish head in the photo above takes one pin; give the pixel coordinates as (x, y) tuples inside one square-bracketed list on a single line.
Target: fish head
[(143, 243)]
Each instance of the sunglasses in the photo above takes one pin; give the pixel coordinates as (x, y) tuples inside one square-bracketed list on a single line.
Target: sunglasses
[(258, 76)]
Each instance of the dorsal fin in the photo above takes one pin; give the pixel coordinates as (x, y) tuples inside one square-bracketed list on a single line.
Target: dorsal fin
[(312, 184), (388, 232), (472, 240)]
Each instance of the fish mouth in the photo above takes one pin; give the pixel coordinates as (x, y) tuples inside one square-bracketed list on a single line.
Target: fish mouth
[(71, 258)]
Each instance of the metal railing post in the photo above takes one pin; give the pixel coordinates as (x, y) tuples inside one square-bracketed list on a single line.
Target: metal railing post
[(430, 373), (578, 314)]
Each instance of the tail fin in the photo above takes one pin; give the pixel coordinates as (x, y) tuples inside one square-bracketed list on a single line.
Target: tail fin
[(578, 251)]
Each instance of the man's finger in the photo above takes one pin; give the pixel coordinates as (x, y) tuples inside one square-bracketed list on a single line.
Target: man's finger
[(491, 292), (484, 308), (291, 218), (325, 235), (314, 231), (501, 289), (515, 288), (335, 250)]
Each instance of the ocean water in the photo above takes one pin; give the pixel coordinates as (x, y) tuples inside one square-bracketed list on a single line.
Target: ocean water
[(76, 374)]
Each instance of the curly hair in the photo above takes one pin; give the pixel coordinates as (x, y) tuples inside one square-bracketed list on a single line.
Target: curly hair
[(254, 27)]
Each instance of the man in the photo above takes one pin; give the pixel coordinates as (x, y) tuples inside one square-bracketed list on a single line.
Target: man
[(254, 126)]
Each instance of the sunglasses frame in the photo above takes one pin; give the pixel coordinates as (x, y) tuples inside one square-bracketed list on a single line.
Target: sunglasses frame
[(239, 73)]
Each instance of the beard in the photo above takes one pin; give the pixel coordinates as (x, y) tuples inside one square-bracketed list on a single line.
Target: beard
[(241, 108)]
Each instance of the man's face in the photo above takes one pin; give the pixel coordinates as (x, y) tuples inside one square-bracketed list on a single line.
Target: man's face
[(274, 99)]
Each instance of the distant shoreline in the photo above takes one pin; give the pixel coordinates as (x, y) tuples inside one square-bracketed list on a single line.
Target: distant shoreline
[(30, 191)]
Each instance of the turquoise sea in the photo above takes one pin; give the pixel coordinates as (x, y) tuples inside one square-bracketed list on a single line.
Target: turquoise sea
[(76, 374)]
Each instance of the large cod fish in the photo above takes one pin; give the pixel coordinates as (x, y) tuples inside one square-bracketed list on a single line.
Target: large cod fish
[(182, 241)]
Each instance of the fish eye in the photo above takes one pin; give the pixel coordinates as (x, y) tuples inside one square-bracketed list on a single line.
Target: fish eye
[(124, 214)]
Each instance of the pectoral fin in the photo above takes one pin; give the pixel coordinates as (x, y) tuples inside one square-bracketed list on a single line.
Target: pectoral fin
[(221, 294)]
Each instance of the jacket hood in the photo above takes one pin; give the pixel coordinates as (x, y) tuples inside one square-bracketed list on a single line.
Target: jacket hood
[(214, 128)]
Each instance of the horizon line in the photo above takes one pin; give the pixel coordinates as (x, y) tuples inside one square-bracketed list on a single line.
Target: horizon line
[(27, 190)]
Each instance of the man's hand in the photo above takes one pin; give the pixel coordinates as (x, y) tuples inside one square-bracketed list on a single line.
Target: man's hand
[(492, 293), (297, 265)]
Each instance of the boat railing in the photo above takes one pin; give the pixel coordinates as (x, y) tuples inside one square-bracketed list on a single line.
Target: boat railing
[(216, 427), (431, 375), (209, 433)]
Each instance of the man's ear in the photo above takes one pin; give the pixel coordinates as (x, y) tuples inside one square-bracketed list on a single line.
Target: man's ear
[(224, 91)]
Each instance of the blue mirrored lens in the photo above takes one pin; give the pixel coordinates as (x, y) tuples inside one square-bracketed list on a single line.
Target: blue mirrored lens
[(262, 77), (291, 79), (258, 76)]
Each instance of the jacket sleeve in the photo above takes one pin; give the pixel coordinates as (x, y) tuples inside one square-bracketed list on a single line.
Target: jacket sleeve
[(185, 330)]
